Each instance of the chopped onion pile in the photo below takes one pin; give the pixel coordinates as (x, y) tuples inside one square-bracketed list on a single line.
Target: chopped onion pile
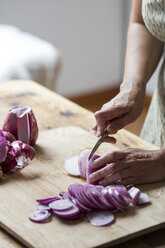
[(19, 132), (98, 203)]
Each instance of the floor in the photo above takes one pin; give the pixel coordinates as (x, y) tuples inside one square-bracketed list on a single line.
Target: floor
[(94, 102)]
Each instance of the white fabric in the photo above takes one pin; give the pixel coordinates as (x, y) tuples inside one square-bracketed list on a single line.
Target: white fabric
[(24, 56)]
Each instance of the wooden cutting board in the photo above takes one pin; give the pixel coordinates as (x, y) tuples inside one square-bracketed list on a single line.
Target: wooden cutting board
[(46, 177)]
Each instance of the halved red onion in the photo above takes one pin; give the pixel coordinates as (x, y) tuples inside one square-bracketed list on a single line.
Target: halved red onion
[(39, 216), (135, 194), (61, 205), (71, 166), (83, 162), (47, 200), (22, 123), (100, 217), (143, 198)]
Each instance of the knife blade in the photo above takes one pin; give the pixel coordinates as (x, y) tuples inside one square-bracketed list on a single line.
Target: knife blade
[(98, 143)]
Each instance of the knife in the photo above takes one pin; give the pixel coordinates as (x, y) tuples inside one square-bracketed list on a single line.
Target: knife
[(98, 143)]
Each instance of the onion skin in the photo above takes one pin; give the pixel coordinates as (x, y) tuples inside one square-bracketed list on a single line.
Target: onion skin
[(16, 149), (9, 136), (22, 123), (3, 147)]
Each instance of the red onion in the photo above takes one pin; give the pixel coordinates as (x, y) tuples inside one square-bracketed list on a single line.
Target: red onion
[(61, 205), (17, 156), (8, 136), (39, 216), (96, 201), (3, 147), (100, 218), (47, 200), (71, 166), (83, 162), (22, 123)]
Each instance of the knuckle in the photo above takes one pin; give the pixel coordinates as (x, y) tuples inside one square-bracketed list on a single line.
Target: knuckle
[(97, 114), (121, 174), (98, 174), (112, 168)]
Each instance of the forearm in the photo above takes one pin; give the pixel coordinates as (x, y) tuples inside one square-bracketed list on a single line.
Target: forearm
[(142, 55)]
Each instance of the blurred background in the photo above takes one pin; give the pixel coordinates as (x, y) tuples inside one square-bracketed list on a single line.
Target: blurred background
[(74, 47)]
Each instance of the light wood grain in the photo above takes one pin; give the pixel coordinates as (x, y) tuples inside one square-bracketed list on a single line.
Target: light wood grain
[(46, 177), (53, 110)]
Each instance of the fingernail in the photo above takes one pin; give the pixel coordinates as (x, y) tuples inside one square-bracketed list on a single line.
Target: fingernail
[(93, 132), (98, 133), (101, 182), (92, 165), (91, 178)]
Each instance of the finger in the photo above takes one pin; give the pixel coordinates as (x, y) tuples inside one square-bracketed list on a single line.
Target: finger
[(119, 176), (101, 122), (108, 158), (129, 181), (98, 175), (94, 127), (108, 170), (110, 140), (119, 123)]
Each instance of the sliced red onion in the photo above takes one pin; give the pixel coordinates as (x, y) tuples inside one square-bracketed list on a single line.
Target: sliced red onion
[(100, 217), (69, 213), (122, 196), (143, 198), (47, 200), (43, 207), (21, 122), (39, 216), (90, 169), (71, 166), (8, 136), (135, 194), (61, 205), (83, 162)]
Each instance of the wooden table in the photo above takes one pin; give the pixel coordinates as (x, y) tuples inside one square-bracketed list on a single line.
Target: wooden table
[(53, 111)]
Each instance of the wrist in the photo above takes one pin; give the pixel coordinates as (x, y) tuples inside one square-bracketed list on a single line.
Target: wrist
[(137, 86)]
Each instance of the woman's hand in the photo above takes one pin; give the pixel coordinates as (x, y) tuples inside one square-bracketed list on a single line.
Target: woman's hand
[(131, 166), (121, 110)]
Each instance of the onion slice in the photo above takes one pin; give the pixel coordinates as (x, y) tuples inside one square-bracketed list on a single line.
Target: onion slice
[(83, 162), (47, 200), (143, 198), (71, 166), (100, 217), (39, 216), (135, 194), (43, 207), (69, 213), (61, 205)]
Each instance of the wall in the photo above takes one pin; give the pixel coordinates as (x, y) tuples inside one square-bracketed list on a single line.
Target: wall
[(90, 34)]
